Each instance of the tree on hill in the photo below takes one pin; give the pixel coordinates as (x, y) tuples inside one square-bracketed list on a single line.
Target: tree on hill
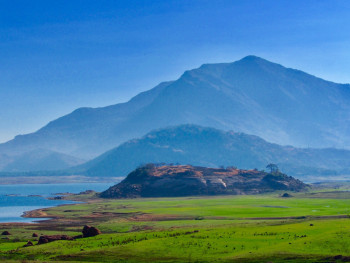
[(273, 167)]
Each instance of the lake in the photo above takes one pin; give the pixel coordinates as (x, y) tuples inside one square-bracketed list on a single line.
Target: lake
[(16, 199)]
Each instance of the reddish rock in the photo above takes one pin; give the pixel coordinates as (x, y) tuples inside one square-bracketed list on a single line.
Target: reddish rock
[(90, 231), (43, 240), (48, 239), (286, 195), (6, 233), (29, 244), (186, 180)]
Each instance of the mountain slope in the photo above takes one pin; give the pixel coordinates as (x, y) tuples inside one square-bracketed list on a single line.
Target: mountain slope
[(186, 180), (5, 160), (200, 146), (252, 95), (40, 160), (86, 132)]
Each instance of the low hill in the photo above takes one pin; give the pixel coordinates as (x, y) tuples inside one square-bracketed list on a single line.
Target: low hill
[(186, 180), (201, 146)]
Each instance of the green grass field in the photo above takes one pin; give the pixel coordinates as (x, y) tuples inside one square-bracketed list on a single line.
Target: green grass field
[(309, 227)]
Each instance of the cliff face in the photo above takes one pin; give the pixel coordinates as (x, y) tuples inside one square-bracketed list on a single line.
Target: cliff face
[(186, 180)]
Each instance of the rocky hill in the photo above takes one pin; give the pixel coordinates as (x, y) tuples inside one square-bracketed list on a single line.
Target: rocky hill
[(252, 95), (186, 180)]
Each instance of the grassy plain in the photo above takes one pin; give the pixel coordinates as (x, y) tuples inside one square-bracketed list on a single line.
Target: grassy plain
[(308, 227)]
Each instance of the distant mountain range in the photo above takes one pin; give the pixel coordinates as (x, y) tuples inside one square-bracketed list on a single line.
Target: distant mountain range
[(200, 146), (252, 95), (38, 160)]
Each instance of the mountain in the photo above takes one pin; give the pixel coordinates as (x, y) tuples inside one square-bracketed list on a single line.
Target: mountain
[(86, 132), (201, 146), (39, 160), (186, 180), (5, 160), (252, 95)]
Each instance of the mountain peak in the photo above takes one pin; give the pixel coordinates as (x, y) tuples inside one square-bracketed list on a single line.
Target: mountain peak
[(252, 95), (246, 59), (253, 60)]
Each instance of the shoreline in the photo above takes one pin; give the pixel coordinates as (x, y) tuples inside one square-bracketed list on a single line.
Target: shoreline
[(41, 213), (38, 212), (71, 179)]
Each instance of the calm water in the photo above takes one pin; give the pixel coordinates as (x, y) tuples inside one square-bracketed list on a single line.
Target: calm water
[(16, 199)]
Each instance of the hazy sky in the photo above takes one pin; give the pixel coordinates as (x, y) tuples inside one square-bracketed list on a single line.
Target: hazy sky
[(57, 56)]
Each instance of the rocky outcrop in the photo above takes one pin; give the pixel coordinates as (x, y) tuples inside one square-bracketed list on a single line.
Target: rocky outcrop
[(5, 233), (29, 244), (48, 239), (286, 195), (186, 180), (90, 231)]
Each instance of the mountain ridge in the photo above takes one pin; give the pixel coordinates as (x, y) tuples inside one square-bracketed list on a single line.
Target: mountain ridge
[(39, 160), (251, 95), (210, 147)]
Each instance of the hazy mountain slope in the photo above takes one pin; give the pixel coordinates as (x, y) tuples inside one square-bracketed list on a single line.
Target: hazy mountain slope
[(4, 160), (252, 95), (191, 144), (85, 132), (257, 97), (40, 160)]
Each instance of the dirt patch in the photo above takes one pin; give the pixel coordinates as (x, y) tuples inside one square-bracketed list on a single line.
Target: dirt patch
[(293, 217), (110, 215), (140, 228)]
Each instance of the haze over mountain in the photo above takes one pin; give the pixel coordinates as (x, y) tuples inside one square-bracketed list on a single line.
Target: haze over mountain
[(201, 146), (252, 95), (38, 160)]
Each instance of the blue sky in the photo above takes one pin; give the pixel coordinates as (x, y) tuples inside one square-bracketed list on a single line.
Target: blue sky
[(57, 56)]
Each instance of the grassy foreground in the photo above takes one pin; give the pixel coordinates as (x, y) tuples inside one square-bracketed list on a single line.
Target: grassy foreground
[(309, 227)]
